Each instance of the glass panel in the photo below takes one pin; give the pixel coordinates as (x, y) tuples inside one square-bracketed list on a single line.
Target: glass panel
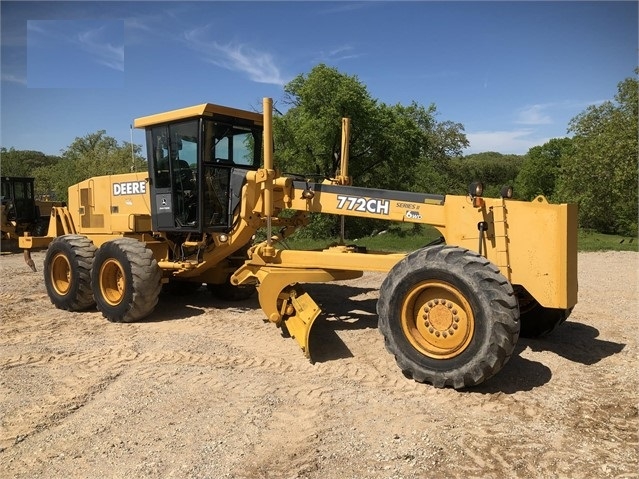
[(20, 190), (184, 154), (243, 148), (229, 144), (6, 190), (216, 196), (160, 137)]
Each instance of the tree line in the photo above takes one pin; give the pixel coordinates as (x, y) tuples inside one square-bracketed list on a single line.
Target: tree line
[(404, 147), (94, 154)]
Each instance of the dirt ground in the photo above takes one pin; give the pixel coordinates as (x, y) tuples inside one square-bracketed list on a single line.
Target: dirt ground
[(206, 389)]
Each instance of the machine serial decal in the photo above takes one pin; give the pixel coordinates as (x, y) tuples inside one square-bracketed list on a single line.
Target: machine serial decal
[(363, 205), (129, 188)]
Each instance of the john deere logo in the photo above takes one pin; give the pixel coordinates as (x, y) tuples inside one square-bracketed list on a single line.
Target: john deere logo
[(129, 188)]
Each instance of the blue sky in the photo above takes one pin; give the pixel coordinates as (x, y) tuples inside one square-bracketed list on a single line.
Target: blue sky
[(513, 73)]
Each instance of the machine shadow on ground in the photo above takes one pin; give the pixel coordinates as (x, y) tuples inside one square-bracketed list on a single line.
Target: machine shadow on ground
[(349, 308), (344, 308), (576, 342), (573, 341)]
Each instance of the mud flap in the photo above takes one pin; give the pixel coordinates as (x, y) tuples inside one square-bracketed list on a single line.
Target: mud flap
[(299, 323)]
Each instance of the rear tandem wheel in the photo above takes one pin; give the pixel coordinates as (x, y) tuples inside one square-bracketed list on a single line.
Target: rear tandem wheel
[(536, 320), (67, 272), (449, 316), (126, 280)]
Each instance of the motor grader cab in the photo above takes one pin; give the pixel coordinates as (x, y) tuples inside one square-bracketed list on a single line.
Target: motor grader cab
[(198, 159), (21, 212), (450, 313)]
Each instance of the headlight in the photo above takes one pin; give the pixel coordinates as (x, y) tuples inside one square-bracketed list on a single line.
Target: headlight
[(506, 192), (476, 189)]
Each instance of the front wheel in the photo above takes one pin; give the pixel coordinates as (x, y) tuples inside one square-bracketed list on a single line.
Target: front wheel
[(126, 280), (449, 316)]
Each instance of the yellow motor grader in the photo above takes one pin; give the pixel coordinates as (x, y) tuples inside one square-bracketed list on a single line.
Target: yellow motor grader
[(450, 313), (21, 211)]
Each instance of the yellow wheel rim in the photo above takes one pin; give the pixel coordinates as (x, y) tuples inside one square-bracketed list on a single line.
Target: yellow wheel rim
[(60, 274), (437, 319), (112, 282)]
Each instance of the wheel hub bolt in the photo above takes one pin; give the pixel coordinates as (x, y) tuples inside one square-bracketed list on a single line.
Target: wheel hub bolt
[(441, 330)]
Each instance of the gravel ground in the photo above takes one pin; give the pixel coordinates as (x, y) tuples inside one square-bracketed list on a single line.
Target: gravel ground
[(206, 389)]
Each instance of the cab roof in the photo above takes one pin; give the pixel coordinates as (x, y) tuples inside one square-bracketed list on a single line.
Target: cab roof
[(205, 110)]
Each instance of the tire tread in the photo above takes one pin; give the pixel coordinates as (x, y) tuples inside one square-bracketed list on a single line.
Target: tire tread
[(146, 281), (80, 253), (486, 281)]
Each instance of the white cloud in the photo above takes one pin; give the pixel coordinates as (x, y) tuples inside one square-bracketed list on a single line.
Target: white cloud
[(344, 52), (516, 142), (35, 26), (534, 115), (103, 52), (94, 41), (14, 79), (343, 7), (137, 23), (258, 65), (552, 113)]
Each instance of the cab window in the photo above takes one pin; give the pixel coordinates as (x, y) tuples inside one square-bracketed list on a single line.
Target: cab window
[(231, 144)]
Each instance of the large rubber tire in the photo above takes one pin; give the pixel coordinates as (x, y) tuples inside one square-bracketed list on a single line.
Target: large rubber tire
[(449, 316), (67, 272), (126, 280), (536, 320)]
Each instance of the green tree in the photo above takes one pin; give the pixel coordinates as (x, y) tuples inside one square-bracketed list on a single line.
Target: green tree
[(389, 146), (393, 151), (31, 164), (23, 162), (541, 167), (601, 173), (308, 136), (493, 169), (94, 154)]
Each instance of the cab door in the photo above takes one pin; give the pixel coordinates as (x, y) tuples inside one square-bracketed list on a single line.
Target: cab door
[(173, 153)]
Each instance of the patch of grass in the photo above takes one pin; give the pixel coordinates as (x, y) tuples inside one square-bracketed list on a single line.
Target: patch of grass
[(591, 241), (403, 239), (400, 238), (390, 240)]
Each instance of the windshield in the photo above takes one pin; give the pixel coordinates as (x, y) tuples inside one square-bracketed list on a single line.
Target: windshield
[(231, 144)]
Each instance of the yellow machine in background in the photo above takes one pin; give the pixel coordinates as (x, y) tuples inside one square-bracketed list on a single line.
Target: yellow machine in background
[(451, 313), (21, 212)]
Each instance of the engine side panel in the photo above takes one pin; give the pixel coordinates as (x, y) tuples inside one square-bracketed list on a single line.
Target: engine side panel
[(111, 204)]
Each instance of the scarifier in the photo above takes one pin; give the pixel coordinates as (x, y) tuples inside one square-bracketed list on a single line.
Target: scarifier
[(451, 313)]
